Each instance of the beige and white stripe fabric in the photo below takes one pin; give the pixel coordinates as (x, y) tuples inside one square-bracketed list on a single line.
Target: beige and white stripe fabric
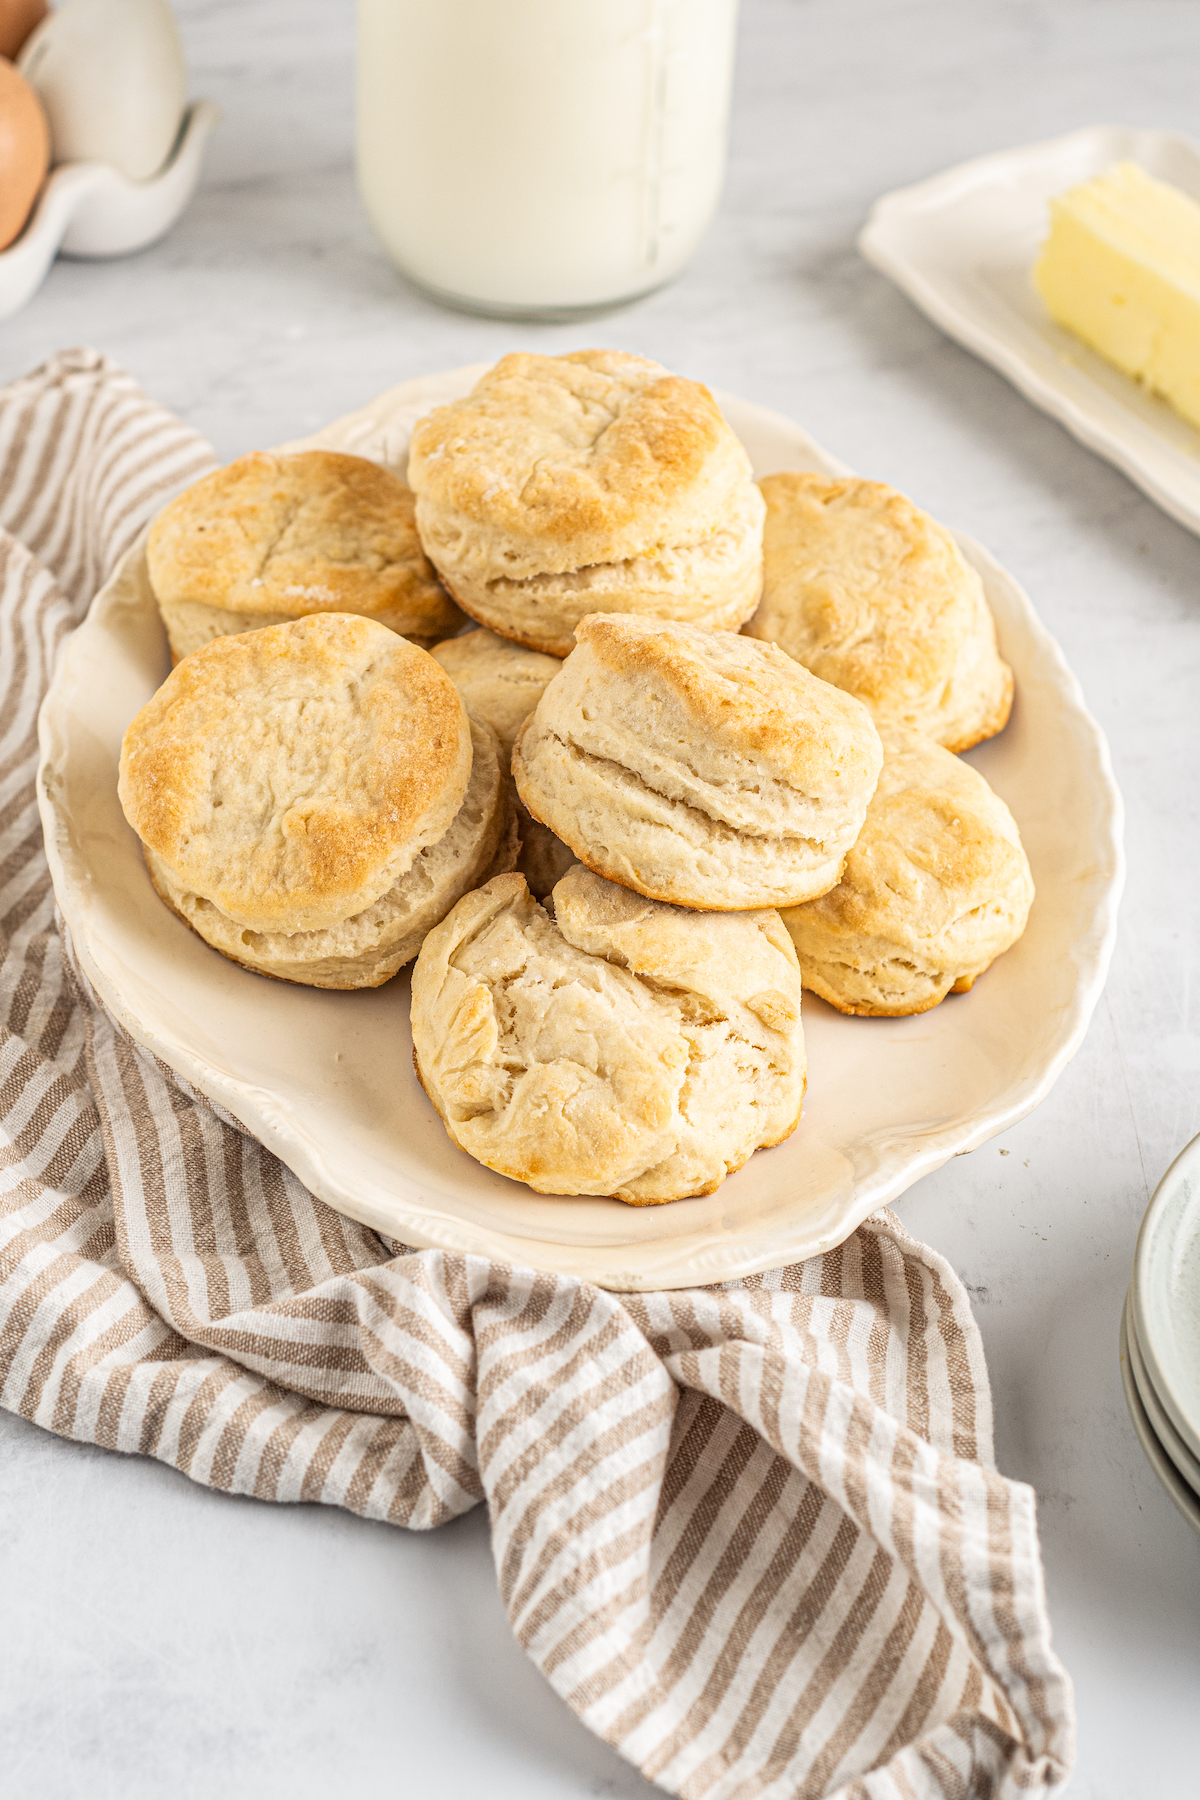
[(752, 1534)]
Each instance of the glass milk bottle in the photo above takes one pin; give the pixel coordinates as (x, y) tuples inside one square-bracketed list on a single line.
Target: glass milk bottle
[(542, 158)]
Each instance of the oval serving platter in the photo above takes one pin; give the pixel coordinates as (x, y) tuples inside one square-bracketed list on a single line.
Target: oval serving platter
[(326, 1079)]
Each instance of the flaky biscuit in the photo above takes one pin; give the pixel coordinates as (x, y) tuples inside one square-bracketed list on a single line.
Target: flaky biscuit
[(497, 679), (368, 949), (697, 767), (272, 538), (619, 1047), (564, 485), (292, 775), (504, 683), (937, 886), (873, 595)]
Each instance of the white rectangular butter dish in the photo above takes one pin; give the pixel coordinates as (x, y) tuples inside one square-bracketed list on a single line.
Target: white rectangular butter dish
[(962, 246)]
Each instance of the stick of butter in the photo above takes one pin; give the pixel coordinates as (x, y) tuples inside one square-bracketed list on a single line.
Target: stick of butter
[(1121, 269)]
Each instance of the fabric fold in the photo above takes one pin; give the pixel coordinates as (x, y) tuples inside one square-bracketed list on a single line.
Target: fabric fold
[(753, 1535)]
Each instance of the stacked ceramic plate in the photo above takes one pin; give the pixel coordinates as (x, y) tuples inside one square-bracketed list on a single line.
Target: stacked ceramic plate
[(1160, 1334)]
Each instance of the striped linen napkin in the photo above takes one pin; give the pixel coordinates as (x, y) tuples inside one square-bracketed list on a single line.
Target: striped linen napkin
[(752, 1534)]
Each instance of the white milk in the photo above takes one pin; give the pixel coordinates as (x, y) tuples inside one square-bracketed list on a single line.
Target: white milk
[(526, 156)]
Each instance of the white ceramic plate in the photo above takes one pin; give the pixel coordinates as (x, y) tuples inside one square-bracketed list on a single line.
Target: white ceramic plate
[(326, 1079), (1165, 1294), (962, 246), (1183, 1496), (1160, 1422)]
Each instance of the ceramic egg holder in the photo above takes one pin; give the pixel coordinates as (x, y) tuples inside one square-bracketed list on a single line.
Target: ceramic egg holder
[(89, 209)]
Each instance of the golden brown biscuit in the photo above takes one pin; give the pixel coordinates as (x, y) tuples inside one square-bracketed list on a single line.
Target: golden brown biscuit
[(697, 767), (291, 776), (936, 888), (595, 482), (871, 594), (368, 948), (275, 538), (620, 1047)]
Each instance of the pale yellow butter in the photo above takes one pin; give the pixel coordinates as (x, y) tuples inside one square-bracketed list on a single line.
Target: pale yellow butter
[(1121, 269)]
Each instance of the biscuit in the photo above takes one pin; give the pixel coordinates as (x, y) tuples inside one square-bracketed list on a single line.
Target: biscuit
[(595, 482), (369, 947), (936, 888), (275, 538), (504, 682), (292, 775), (619, 1047), (871, 594), (497, 679), (698, 767)]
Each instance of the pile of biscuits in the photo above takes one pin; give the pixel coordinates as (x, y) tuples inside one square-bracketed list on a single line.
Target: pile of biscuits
[(697, 753)]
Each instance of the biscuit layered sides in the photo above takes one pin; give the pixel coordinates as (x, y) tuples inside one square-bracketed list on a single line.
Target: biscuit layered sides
[(275, 538), (595, 482), (313, 798), (698, 767), (503, 683), (619, 1047), (873, 595), (936, 888)]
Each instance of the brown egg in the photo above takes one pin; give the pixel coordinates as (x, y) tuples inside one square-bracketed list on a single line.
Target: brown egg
[(17, 20), (24, 151)]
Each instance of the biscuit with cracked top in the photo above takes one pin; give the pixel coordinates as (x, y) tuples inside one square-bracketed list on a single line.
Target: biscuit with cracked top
[(277, 537), (618, 1047)]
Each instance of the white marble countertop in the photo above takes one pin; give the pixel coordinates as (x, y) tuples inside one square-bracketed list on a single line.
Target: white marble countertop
[(322, 1651)]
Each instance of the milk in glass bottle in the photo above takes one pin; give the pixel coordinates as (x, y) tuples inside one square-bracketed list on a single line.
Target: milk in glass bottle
[(542, 158)]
